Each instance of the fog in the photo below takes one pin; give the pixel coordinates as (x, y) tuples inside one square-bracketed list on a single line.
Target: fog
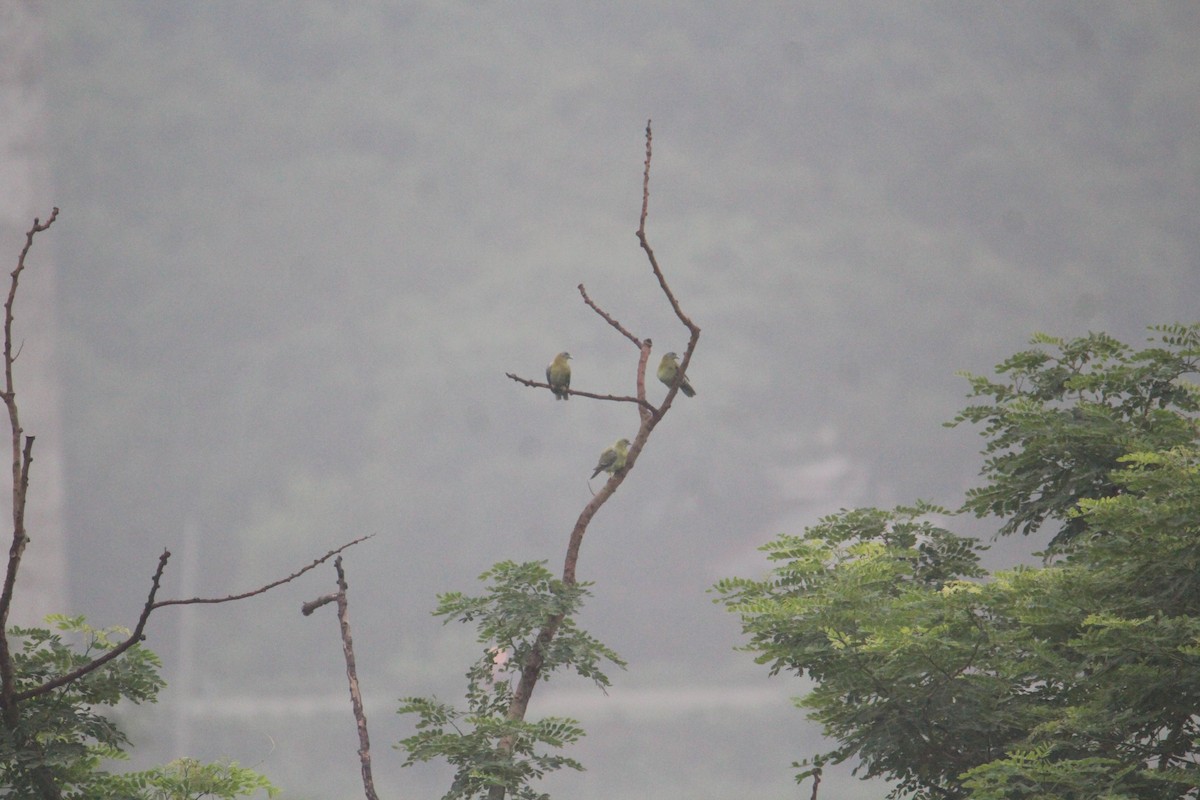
[(301, 244)]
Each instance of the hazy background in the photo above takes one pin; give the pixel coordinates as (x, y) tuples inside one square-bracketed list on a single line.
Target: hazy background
[(301, 244)]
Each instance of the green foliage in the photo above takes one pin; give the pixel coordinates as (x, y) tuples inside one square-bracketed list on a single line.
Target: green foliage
[(1067, 412), (869, 604), (62, 739), (1075, 681), (188, 779), (520, 600), (61, 734)]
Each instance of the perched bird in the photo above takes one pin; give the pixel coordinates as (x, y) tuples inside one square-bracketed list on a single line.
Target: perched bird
[(668, 368), (558, 375), (613, 458)]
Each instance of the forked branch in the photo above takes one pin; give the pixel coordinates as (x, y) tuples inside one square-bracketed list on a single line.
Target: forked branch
[(152, 605), (360, 717), (650, 416)]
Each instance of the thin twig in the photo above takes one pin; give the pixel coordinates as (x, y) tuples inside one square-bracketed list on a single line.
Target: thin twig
[(134, 638), (615, 398), (229, 598), (308, 608), (641, 234), (693, 329), (609, 318)]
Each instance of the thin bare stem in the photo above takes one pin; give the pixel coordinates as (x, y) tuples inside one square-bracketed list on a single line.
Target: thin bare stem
[(693, 329), (360, 717), (641, 234), (647, 410), (614, 398), (135, 637), (230, 598), (22, 458), (608, 317)]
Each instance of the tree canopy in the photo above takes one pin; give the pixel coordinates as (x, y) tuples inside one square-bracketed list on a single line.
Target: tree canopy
[(1077, 679)]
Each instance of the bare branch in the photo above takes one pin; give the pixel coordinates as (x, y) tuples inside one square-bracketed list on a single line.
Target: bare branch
[(641, 234), (647, 410), (615, 398), (269, 586), (151, 606), (360, 717), (22, 458), (693, 329), (135, 637), (312, 605), (608, 318)]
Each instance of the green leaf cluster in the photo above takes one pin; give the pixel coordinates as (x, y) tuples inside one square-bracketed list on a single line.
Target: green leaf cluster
[(1066, 412), (188, 779), (62, 736), (1077, 680), (509, 618), (62, 743)]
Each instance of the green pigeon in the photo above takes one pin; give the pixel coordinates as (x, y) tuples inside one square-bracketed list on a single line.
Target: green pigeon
[(668, 368), (558, 375), (613, 458)]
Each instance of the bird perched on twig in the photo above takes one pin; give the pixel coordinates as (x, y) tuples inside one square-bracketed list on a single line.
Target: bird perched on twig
[(613, 458), (668, 368), (558, 375)]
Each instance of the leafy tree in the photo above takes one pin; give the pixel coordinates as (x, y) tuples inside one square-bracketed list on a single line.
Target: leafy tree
[(1079, 679), (61, 737), (508, 618), (1058, 425), (63, 741)]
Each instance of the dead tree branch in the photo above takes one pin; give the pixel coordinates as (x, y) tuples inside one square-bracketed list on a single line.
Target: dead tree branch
[(230, 598), (615, 398), (136, 636), (22, 457), (309, 607), (693, 329), (608, 318), (360, 717), (151, 605), (531, 669)]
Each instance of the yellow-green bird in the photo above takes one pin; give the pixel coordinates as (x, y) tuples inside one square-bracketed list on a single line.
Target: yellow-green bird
[(668, 368), (558, 375), (613, 458)]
